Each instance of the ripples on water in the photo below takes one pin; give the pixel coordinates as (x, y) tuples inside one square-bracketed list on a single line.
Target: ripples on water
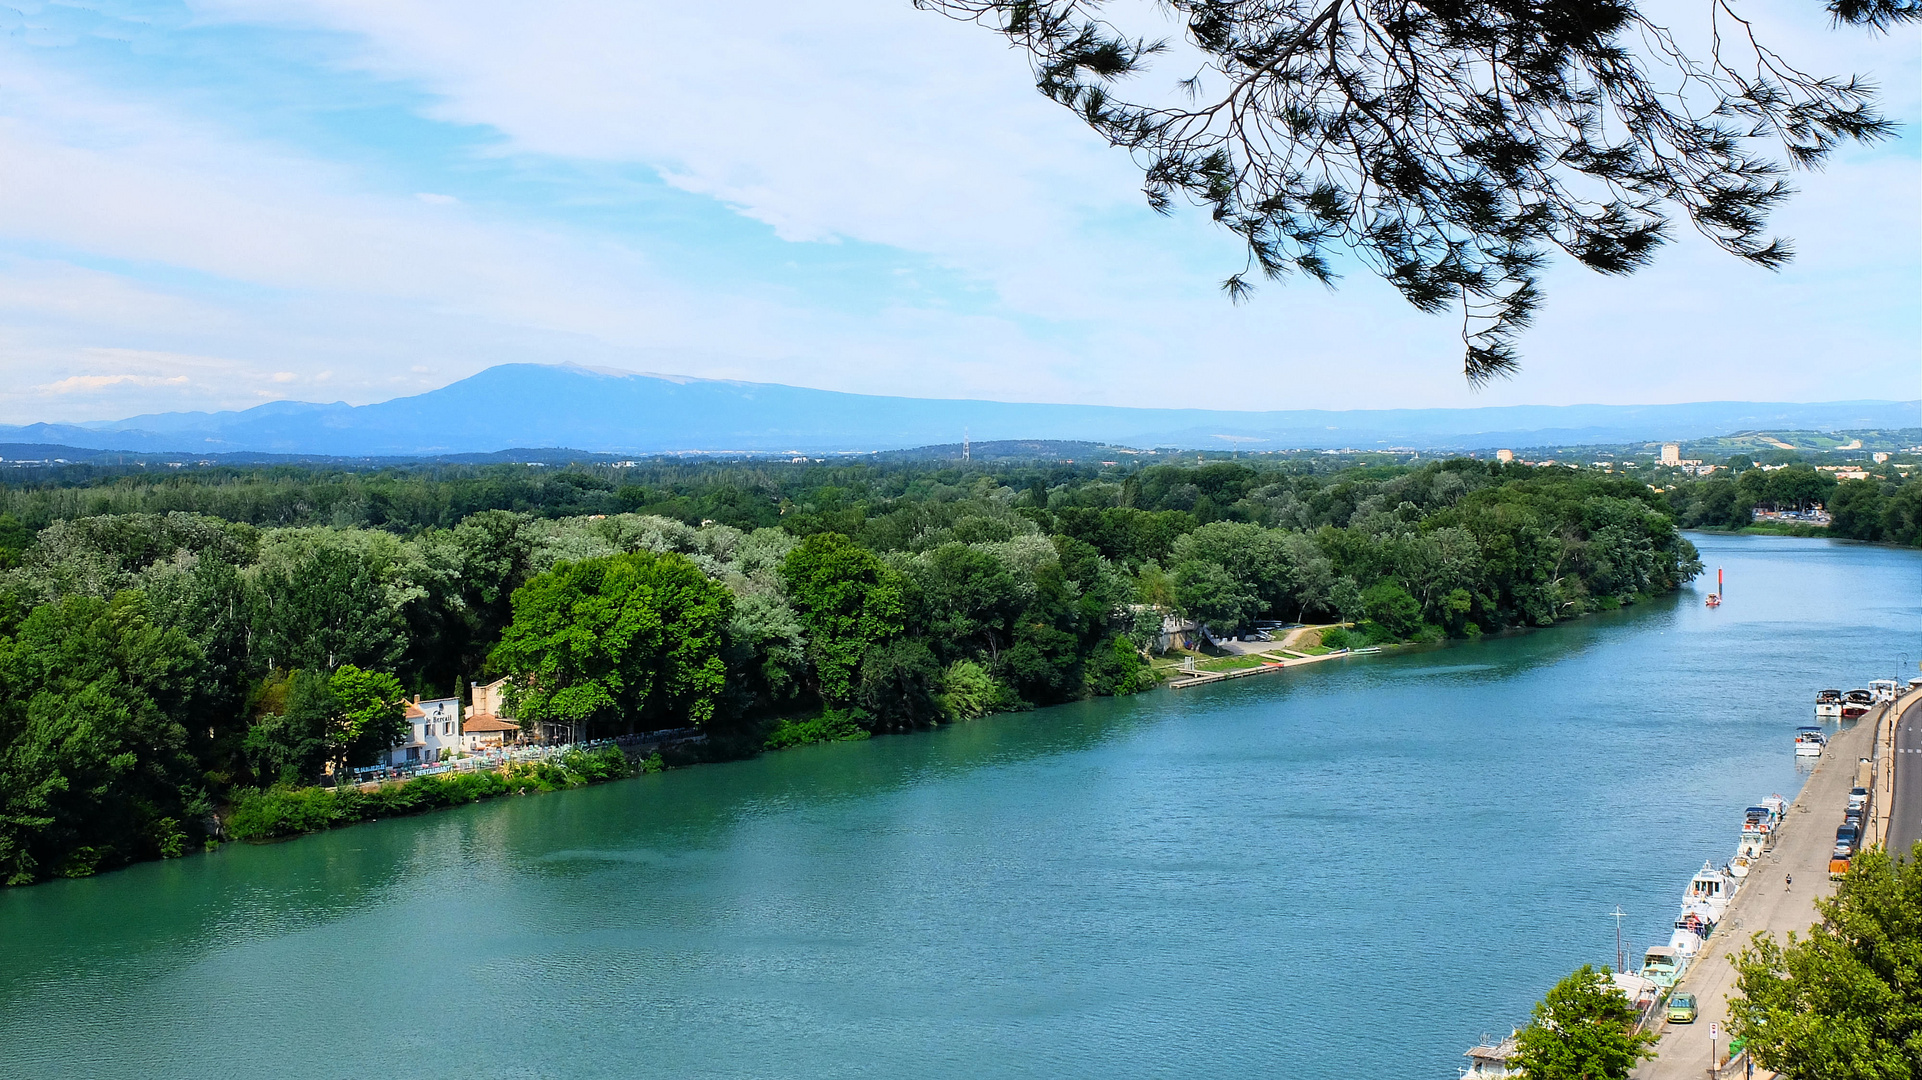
[(1351, 869)]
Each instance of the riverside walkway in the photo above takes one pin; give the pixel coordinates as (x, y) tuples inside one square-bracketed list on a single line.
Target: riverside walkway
[(1802, 848)]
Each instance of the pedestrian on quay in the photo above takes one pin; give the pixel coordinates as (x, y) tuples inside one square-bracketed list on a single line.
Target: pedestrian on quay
[(1787, 880)]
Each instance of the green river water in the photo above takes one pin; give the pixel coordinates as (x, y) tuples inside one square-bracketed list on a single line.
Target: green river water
[(1354, 869)]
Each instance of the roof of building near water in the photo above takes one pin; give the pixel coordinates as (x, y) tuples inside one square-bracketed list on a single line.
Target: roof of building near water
[(480, 722), (1500, 1052), (414, 713)]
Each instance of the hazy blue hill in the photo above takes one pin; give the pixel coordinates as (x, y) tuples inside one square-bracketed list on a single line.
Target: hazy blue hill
[(535, 405)]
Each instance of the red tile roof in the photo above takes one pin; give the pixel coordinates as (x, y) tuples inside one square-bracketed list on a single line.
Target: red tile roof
[(480, 722)]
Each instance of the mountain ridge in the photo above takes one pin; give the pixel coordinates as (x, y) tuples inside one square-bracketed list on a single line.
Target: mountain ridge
[(607, 411)]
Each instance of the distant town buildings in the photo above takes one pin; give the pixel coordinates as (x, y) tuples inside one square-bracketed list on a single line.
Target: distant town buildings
[(1879, 457), (1671, 453), (1816, 515), (1504, 456)]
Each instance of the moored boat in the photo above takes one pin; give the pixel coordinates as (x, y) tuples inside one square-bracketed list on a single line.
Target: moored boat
[(1760, 820), (1709, 892), (1691, 930), (1856, 702), (1663, 965), (1809, 742), (1828, 704)]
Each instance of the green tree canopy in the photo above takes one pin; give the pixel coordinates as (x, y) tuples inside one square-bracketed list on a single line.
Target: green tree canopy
[(93, 763), (1843, 1002), (369, 714), (851, 602), (1856, 510), (1209, 594), (320, 604), (628, 641), (1582, 1030)]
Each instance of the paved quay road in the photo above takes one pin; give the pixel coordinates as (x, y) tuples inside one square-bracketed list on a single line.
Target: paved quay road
[(1766, 902), (1905, 821)]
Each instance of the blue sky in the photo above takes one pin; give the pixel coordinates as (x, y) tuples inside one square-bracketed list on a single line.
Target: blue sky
[(223, 202)]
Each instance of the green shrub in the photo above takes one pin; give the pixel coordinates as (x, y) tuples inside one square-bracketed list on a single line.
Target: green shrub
[(1391, 607), (282, 811), (968, 691), (833, 725), (1118, 670), (169, 839), (288, 811)]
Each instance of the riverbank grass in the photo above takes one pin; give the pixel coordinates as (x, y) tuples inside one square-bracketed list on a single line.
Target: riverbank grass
[(279, 812)]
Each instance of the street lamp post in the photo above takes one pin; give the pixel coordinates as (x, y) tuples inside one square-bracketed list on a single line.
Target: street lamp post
[(1619, 915)]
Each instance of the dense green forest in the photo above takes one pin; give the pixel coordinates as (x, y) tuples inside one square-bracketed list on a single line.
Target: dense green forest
[(167, 643)]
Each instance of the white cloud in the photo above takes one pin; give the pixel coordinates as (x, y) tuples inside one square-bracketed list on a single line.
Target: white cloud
[(81, 384), (281, 272)]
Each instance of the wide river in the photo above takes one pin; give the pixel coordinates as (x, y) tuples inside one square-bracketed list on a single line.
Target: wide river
[(1353, 869)]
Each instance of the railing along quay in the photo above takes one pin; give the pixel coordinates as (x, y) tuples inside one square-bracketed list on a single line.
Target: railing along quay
[(492, 758)]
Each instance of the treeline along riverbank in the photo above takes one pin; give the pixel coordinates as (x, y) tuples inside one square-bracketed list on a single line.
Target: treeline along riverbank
[(169, 647)]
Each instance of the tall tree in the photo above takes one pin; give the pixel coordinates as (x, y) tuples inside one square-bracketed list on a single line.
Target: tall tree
[(851, 602), (93, 764), (627, 641), (369, 714), (1453, 147), (323, 608), (1582, 1030), (1844, 1002)]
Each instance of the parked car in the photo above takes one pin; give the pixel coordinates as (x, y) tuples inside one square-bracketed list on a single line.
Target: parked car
[(1681, 1009)]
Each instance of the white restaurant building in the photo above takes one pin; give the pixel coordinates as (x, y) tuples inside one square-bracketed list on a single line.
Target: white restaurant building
[(438, 725)]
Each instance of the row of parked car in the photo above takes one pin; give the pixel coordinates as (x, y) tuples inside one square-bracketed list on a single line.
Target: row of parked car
[(1848, 837)]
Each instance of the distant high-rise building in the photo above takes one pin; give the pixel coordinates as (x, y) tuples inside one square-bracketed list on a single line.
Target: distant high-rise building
[(1671, 454), (1504, 455)]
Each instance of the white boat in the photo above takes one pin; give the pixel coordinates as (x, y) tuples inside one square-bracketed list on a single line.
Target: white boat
[(1856, 702), (1883, 690), (1709, 892), (1828, 704), (1741, 865), (1692, 928), (1809, 742), (1662, 966)]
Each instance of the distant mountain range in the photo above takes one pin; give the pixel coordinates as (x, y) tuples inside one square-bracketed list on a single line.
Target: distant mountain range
[(536, 405)]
